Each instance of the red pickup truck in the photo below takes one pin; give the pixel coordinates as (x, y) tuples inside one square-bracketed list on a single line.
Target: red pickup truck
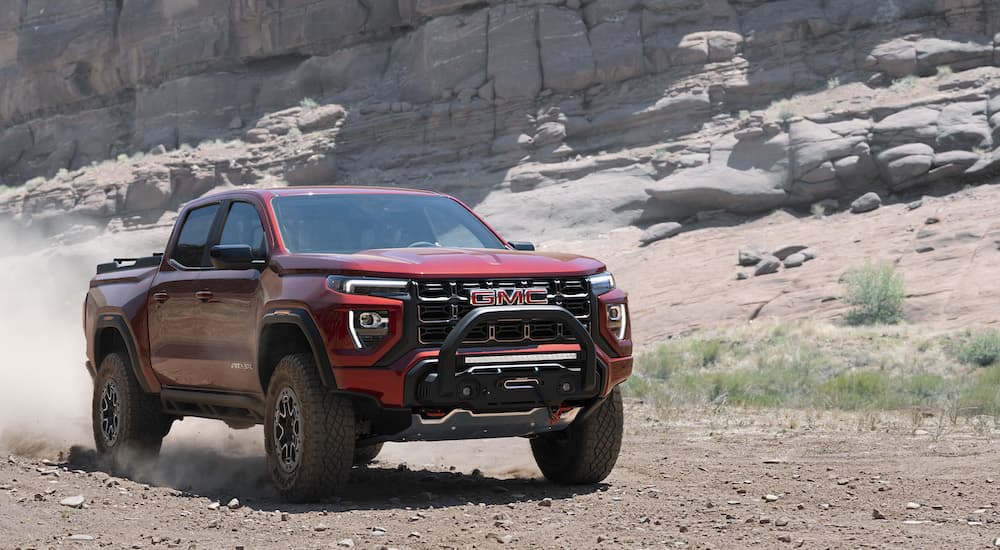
[(341, 318)]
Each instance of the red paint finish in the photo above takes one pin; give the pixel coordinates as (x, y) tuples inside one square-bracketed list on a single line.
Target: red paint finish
[(201, 328)]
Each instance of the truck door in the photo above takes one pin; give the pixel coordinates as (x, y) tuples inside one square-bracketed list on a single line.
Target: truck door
[(176, 320), (230, 316)]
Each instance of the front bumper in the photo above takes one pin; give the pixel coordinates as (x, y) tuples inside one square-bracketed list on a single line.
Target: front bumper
[(496, 379), (462, 424), (455, 392)]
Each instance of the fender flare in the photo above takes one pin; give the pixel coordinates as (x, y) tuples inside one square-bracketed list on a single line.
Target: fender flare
[(118, 323), (304, 321)]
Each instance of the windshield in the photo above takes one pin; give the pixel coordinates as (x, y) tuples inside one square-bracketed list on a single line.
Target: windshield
[(346, 224)]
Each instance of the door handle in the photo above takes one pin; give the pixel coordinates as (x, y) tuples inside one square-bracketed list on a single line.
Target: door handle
[(161, 297), (204, 295)]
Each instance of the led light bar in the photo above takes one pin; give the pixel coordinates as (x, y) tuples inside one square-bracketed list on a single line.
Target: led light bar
[(495, 359)]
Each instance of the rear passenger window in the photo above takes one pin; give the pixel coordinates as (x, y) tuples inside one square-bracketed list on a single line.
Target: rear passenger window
[(243, 227), (193, 240)]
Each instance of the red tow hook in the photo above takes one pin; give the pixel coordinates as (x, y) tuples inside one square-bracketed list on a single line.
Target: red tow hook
[(555, 413)]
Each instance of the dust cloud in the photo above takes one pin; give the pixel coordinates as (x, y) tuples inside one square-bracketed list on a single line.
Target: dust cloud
[(45, 404)]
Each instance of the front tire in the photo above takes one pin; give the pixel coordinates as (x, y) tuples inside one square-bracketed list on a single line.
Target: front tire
[(129, 424), (309, 432), (587, 450)]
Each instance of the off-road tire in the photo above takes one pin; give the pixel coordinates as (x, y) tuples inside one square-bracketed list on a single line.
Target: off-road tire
[(587, 450), (324, 444), (364, 455), (139, 424)]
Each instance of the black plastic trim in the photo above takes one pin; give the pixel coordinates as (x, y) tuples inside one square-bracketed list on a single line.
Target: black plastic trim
[(118, 323), (300, 318), (208, 404), (447, 359)]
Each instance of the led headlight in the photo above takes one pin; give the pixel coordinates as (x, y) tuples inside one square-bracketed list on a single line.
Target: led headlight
[(368, 328), (617, 320), (368, 286), (602, 283)]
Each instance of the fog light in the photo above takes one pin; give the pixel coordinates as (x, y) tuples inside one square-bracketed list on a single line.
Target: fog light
[(566, 387), (466, 391), (372, 319), (617, 320), (368, 328)]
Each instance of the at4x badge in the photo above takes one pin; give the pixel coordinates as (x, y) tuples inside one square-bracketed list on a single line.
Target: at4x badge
[(508, 297)]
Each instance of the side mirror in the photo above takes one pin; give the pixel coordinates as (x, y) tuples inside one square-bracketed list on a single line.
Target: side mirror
[(522, 246), (233, 256)]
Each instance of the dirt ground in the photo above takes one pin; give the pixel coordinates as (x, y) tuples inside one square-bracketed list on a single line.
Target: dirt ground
[(704, 480)]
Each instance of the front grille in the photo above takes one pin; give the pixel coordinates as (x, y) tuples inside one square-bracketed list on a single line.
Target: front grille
[(442, 304)]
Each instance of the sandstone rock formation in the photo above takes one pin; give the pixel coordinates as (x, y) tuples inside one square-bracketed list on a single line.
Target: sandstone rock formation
[(635, 111)]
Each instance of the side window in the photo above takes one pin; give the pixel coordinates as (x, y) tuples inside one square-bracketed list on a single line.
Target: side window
[(243, 227), (191, 244)]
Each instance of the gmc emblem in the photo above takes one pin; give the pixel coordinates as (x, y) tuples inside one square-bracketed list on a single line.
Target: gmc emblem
[(508, 297)]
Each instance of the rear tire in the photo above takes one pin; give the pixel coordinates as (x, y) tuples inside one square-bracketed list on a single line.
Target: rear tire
[(129, 424), (587, 450), (309, 432), (364, 455)]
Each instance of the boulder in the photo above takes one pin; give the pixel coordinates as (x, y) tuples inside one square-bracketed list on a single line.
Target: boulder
[(743, 176), (963, 125), (151, 189), (752, 255), (910, 149), (767, 266), (866, 203), (917, 124), (549, 133), (963, 158), (903, 170), (659, 232), (856, 170), (813, 145), (895, 58), (794, 260), (722, 45), (933, 52), (320, 118), (786, 251)]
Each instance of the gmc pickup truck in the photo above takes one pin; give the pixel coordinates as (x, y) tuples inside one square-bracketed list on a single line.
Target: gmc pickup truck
[(341, 318)]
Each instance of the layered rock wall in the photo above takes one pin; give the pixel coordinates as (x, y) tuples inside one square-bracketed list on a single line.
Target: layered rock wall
[(483, 96)]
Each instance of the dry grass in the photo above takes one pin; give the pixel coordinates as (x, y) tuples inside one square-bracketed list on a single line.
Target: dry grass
[(819, 366)]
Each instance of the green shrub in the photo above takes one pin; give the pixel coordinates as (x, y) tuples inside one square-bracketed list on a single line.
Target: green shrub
[(944, 70), (905, 83), (982, 396), (980, 348), (856, 390), (833, 83), (308, 104), (876, 292)]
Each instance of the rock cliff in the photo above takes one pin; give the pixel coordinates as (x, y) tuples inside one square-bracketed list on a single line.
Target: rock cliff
[(587, 114)]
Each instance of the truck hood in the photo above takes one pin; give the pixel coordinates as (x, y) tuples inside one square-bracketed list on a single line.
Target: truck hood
[(441, 262)]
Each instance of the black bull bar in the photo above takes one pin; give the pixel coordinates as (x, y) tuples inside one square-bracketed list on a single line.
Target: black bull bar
[(441, 388)]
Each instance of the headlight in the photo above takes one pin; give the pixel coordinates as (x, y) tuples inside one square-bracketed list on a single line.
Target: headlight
[(390, 288), (602, 283)]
